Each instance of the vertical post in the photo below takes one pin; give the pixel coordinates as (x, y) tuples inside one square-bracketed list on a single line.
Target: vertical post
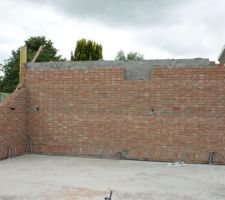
[(23, 60)]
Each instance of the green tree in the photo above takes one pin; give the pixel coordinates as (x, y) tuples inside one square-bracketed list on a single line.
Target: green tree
[(1, 73), (130, 56), (0, 81), (86, 50), (135, 56), (11, 67), (120, 56)]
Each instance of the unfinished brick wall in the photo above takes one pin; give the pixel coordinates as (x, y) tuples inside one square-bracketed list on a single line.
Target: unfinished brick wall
[(13, 124), (177, 115)]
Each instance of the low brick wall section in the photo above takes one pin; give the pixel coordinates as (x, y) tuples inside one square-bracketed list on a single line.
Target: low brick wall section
[(177, 115), (13, 124)]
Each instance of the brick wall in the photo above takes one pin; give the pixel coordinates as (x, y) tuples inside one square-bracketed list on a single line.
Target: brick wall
[(13, 124), (177, 115)]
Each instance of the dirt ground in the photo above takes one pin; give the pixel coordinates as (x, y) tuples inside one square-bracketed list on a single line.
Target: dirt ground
[(29, 177)]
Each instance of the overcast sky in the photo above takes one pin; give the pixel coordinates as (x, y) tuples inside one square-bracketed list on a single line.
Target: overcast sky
[(155, 28)]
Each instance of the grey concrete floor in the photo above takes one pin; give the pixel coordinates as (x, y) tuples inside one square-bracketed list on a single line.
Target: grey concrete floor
[(43, 177)]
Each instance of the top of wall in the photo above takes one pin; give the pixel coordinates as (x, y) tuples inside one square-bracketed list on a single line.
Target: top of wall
[(133, 69), (3, 96)]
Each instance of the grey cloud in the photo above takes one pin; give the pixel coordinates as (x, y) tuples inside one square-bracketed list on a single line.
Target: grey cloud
[(172, 25), (119, 12), (190, 28)]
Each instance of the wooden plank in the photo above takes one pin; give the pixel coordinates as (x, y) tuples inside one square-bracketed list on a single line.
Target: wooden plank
[(37, 54), (23, 61)]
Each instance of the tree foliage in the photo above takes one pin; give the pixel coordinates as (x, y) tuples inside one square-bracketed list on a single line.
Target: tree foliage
[(120, 55), (135, 56), (87, 50), (1, 72), (11, 67), (130, 56)]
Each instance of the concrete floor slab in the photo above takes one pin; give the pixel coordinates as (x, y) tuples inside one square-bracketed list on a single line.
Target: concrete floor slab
[(44, 177)]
